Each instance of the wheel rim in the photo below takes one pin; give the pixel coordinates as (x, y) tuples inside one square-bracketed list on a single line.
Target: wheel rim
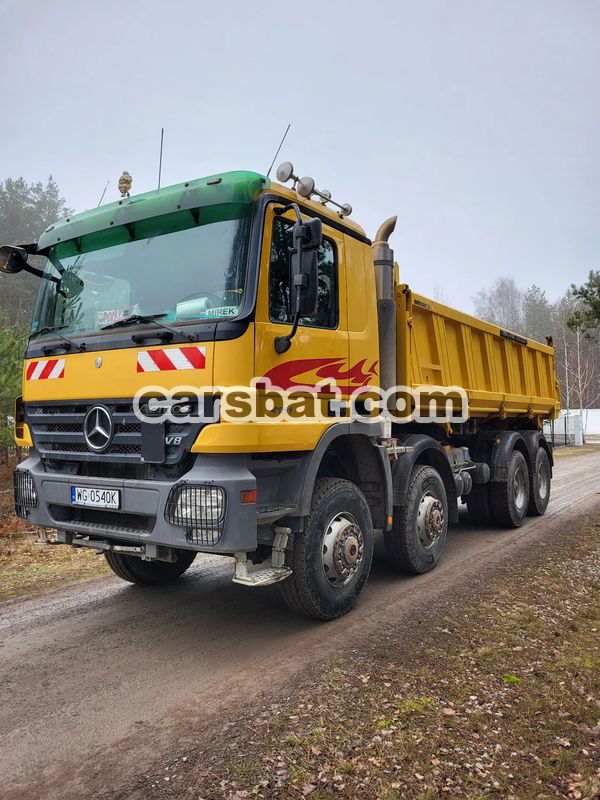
[(543, 480), (343, 549), (430, 520), (520, 488)]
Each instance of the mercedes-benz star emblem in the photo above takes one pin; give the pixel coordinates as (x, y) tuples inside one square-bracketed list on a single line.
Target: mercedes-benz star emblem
[(98, 428)]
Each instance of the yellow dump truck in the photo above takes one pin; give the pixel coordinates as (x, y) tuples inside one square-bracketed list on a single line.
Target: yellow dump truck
[(231, 366)]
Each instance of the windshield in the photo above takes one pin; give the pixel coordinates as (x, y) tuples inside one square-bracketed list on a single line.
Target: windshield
[(177, 268)]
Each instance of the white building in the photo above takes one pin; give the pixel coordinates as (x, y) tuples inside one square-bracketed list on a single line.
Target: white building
[(575, 427)]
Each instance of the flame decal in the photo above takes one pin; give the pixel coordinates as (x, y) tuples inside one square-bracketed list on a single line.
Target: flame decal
[(287, 375)]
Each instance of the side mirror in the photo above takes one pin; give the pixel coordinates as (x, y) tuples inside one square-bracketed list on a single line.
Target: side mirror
[(307, 236), (12, 259)]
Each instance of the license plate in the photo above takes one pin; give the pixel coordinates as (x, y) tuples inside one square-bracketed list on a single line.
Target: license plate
[(97, 498)]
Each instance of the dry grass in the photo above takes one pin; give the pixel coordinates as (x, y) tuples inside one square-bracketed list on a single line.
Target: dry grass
[(573, 452), (27, 568)]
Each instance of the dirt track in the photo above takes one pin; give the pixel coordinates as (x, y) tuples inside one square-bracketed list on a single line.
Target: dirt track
[(100, 678)]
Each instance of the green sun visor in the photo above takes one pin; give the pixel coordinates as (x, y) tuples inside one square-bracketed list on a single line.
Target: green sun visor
[(146, 228), (153, 213)]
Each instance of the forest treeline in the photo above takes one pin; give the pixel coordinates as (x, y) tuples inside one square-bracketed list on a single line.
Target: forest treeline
[(571, 322)]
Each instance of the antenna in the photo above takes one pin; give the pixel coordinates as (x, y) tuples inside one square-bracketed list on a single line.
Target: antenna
[(104, 192), (162, 136), (279, 148)]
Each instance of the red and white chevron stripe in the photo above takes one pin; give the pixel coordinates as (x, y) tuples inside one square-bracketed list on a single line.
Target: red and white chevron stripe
[(173, 358), (46, 369)]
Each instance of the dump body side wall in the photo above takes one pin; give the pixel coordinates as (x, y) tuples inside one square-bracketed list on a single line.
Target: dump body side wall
[(502, 373)]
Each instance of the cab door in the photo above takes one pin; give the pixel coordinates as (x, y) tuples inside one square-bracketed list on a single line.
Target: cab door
[(319, 350)]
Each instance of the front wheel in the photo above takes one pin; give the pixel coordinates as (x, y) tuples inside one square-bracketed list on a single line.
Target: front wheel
[(149, 573), (332, 556), (418, 534)]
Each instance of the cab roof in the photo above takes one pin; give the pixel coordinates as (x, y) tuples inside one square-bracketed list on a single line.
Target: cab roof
[(227, 187)]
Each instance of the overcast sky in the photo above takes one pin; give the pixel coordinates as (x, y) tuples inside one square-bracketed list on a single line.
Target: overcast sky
[(477, 122)]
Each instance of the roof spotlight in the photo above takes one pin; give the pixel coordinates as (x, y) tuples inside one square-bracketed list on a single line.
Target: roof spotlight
[(306, 188), (285, 171)]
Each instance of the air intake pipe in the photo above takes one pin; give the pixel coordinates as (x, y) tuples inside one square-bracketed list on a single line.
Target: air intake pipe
[(383, 257)]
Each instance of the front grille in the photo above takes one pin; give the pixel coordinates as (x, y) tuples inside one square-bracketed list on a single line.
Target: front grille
[(131, 427), (62, 409), (57, 431), (72, 447), (66, 447)]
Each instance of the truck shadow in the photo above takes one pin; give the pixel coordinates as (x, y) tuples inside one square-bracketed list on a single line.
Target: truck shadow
[(205, 601)]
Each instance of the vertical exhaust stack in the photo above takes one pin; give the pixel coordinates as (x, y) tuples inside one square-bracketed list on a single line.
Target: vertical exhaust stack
[(383, 257)]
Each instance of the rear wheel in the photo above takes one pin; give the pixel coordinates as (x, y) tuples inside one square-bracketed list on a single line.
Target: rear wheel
[(509, 500), (149, 573), (417, 538), (539, 494), (332, 556)]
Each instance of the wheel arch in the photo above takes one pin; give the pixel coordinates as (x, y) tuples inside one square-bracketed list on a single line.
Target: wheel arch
[(425, 450), (533, 441), (495, 448), (351, 451)]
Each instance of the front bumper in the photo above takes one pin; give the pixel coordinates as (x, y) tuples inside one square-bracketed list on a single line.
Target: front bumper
[(141, 517)]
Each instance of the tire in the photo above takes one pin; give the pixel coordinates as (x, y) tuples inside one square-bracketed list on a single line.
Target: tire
[(478, 504), (324, 585), (539, 484), (149, 573), (509, 500), (418, 534)]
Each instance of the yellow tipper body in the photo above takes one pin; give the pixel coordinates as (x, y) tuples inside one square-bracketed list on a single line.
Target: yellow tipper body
[(503, 373)]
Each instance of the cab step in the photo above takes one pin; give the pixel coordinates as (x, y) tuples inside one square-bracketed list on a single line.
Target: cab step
[(273, 571), (262, 577)]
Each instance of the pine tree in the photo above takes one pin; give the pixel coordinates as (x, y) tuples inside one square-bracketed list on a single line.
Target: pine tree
[(26, 209), (587, 318), (12, 347)]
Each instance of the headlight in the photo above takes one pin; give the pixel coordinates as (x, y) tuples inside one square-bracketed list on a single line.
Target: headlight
[(25, 493), (199, 508)]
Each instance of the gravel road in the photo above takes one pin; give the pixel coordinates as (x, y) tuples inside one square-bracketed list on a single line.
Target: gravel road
[(99, 678)]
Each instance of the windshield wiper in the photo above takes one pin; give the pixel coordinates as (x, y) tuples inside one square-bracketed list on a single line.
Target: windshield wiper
[(141, 319), (49, 329)]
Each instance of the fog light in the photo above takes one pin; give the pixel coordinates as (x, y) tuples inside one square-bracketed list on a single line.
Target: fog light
[(25, 493), (199, 508), (199, 505)]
